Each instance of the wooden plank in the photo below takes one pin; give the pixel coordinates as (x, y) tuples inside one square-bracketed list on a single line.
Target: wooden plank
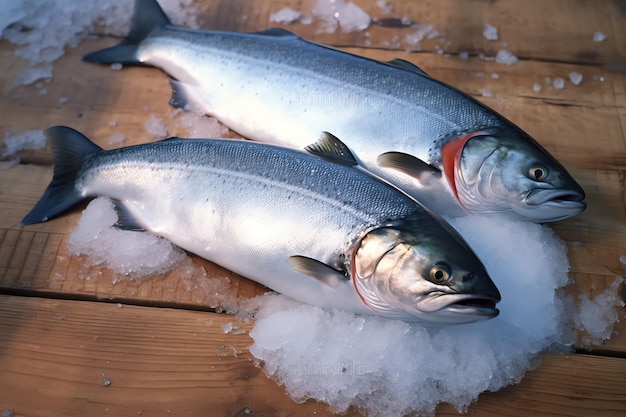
[(159, 359), (57, 356), (582, 126), (555, 30), (596, 239), (36, 259)]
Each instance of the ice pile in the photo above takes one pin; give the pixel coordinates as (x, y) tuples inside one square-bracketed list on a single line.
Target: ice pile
[(390, 368), (123, 251), (333, 15), (340, 13), (599, 37), (490, 32), (285, 16), (191, 124), (383, 367), (558, 83), (505, 57), (133, 255), (595, 320), (421, 32), (385, 6), (188, 124), (44, 31), (575, 77), (156, 127), (31, 139)]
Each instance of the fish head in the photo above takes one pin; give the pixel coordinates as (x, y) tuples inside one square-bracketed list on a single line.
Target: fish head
[(429, 276), (504, 171)]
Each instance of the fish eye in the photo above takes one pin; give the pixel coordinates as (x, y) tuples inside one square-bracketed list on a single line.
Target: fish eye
[(439, 273), (538, 172)]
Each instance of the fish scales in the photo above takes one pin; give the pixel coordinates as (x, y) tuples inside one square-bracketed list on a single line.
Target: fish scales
[(328, 234), (266, 71), (441, 146), (223, 170)]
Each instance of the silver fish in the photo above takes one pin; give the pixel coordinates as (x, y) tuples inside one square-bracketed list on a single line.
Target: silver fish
[(436, 143), (324, 233)]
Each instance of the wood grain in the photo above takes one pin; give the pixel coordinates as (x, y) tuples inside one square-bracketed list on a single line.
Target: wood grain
[(174, 361), (56, 357)]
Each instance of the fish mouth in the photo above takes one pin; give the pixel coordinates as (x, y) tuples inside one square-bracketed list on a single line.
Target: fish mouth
[(555, 197), (484, 308), (551, 205), (463, 308), (548, 205)]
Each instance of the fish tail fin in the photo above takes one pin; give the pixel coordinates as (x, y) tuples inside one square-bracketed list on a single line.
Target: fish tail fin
[(70, 149), (147, 16)]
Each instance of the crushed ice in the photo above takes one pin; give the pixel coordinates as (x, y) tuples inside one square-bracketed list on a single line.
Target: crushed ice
[(387, 368), (382, 367)]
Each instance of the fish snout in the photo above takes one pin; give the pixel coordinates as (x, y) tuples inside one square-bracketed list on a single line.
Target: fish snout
[(480, 285), (547, 205), (555, 196)]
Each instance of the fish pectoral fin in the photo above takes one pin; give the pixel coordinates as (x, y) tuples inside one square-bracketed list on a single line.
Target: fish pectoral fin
[(425, 173), (330, 148), (125, 219), (318, 270), (406, 65)]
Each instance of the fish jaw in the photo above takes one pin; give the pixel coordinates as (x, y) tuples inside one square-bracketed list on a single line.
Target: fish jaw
[(461, 308), (494, 172), (552, 205)]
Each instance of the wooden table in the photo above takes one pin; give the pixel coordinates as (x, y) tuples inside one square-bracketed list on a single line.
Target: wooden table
[(63, 334)]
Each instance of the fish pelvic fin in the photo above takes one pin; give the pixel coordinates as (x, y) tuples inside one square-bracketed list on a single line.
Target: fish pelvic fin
[(410, 165), (125, 219), (330, 148), (147, 16), (187, 97), (318, 270), (70, 148)]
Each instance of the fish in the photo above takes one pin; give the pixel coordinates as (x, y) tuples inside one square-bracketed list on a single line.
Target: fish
[(443, 147), (313, 225)]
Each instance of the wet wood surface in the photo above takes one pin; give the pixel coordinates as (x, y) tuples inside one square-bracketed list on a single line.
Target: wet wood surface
[(164, 350)]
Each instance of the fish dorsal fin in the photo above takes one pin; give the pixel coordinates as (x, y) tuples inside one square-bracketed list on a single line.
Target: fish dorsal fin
[(173, 138), (330, 148), (410, 165), (125, 219), (278, 32), (406, 65), (318, 270)]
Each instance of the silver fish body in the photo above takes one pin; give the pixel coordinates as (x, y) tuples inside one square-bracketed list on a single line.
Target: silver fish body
[(323, 233), (416, 132)]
